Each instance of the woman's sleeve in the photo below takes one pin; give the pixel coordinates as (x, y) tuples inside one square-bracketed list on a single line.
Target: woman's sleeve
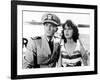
[(85, 54)]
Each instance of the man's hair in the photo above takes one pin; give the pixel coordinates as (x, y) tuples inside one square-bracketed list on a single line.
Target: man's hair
[(75, 34)]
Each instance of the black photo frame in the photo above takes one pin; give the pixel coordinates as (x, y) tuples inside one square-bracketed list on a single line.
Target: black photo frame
[(17, 9)]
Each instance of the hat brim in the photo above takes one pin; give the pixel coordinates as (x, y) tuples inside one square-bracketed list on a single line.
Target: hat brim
[(50, 21)]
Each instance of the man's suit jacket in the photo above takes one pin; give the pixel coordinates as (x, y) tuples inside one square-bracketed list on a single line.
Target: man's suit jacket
[(38, 53)]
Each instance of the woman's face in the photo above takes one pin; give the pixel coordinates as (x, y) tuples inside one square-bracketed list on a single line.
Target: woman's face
[(68, 32)]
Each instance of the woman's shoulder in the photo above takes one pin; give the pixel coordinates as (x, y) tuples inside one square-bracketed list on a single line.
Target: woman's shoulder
[(78, 46)]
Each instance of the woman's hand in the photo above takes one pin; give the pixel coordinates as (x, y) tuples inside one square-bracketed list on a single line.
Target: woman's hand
[(85, 58)]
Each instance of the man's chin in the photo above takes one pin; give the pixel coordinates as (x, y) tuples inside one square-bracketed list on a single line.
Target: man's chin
[(49, 35)]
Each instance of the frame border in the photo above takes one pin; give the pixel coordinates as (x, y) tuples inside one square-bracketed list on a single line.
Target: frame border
[(14, 39)]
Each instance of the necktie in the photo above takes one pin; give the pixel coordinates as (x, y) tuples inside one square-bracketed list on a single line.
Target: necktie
[(51, 45)]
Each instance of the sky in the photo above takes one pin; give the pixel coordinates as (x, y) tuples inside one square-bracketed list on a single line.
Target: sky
[(34, 30)]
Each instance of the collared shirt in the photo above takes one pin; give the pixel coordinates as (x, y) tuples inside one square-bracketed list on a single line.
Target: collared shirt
[(49, 39), (51, 43)]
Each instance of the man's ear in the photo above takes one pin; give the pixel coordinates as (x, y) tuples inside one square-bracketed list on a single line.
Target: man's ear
[(56, 29)]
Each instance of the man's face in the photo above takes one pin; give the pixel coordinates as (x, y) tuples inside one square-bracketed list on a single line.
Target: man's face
[(50, 29)]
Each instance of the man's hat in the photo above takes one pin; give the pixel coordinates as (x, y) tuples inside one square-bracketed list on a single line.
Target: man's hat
[(51, 18)]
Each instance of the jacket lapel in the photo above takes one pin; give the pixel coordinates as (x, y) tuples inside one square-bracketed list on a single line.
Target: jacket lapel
[(47, 53), (45, 46), (55, 46)]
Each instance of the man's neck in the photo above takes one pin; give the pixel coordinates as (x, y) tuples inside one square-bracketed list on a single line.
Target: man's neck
[(49, 37)]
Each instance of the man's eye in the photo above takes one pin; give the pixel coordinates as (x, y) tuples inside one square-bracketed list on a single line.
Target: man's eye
[(70, 29), (46, 24)]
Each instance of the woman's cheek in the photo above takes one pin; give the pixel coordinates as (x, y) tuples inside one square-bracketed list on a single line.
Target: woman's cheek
[(71, 33)]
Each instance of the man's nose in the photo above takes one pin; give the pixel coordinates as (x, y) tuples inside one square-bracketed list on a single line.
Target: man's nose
[(49, 27)]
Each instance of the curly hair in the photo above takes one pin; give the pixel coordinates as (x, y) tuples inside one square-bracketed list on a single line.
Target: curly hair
[(75, 35)]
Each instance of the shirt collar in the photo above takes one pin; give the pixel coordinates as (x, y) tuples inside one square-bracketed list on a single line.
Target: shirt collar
[(62, 42), (49, 39)]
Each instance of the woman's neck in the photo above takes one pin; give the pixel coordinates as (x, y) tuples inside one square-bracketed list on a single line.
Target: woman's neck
[(70, 41), (70, 46)]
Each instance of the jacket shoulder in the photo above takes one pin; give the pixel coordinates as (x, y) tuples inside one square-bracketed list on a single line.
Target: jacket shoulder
[(36, 38)]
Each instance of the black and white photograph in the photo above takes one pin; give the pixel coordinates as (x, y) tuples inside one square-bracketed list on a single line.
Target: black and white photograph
[(50, 39)]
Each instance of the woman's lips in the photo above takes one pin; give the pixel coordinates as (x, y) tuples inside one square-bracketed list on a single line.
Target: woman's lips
[(67, 34)]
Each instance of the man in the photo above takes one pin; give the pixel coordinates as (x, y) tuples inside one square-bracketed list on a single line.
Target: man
[(44, 51)]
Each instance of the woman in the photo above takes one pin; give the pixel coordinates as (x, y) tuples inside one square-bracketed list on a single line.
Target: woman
[(72, 50)]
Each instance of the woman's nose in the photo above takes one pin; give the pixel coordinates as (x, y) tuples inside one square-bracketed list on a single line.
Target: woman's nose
[(66, 30)]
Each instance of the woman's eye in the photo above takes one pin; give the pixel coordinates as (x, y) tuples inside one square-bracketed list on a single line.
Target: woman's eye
[(68, 29)]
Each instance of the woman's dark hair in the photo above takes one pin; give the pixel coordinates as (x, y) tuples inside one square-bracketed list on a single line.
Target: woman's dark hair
[(75, 35)]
